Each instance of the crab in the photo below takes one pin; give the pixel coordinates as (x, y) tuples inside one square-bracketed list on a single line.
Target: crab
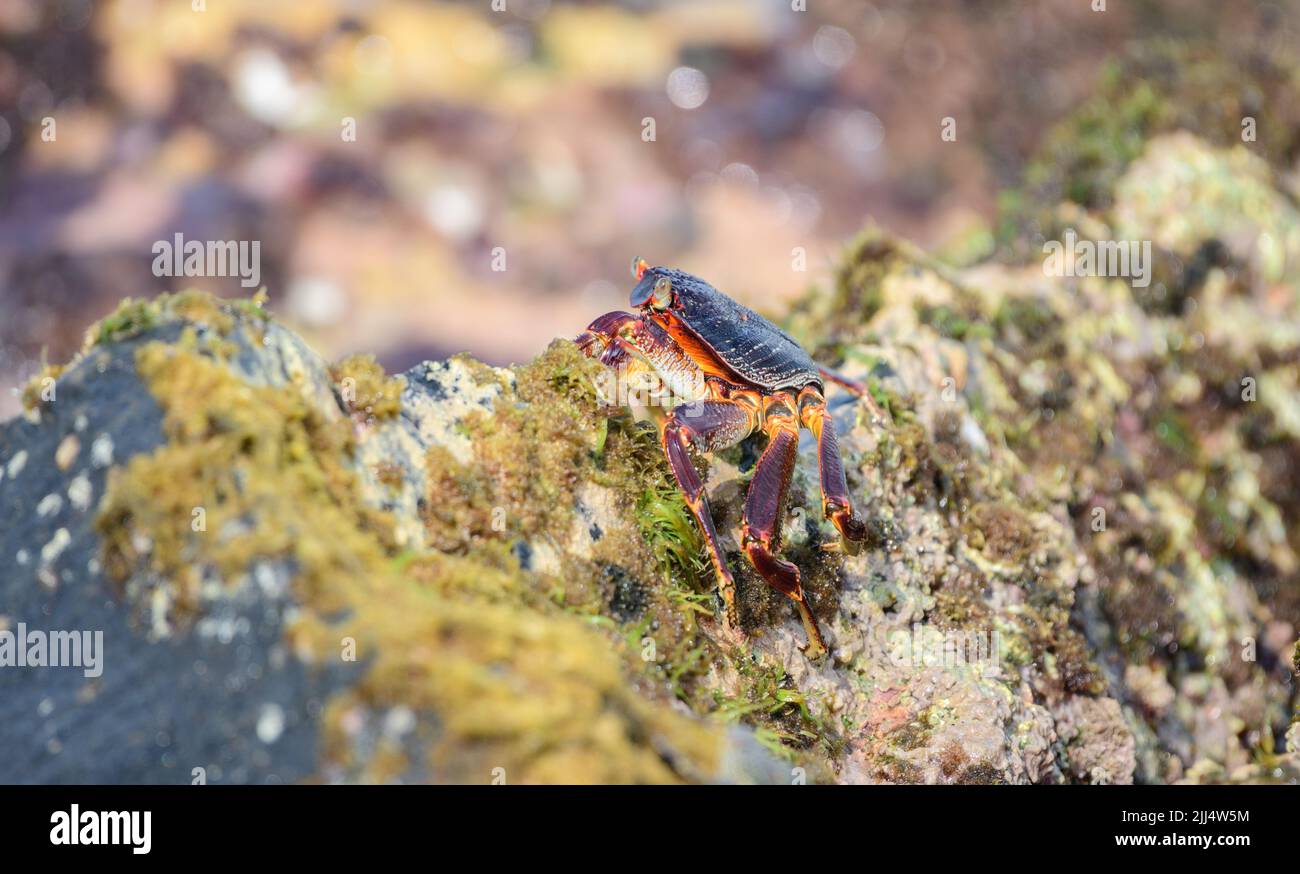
[(731, 373)]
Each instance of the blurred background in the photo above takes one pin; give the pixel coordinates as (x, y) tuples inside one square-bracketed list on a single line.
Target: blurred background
[(382, 152)]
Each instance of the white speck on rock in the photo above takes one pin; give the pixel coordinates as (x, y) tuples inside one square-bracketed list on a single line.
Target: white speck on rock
[(17, 463), (58, 543), (399, 721), (101, 451), (273, 585), (270, 724), (974, 435), (80, 493), (159, 612), (66, 454), (22, 557), (353, 721), (49, 505), (142, 543)]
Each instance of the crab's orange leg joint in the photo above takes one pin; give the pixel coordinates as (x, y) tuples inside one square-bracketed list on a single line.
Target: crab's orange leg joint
[(836, 505)]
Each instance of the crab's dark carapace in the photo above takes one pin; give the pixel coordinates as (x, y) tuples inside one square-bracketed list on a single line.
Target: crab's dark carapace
[(732, 373)]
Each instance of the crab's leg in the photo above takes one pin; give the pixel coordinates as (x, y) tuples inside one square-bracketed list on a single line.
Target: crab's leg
[(764, 506), (707, 426), (836, 505), (857, 389)]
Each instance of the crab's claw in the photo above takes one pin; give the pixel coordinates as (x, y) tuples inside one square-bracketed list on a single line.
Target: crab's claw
[(591, 343), (603, 338)]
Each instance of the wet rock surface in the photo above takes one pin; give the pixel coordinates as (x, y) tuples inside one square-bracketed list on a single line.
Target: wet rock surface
[(226, 696)]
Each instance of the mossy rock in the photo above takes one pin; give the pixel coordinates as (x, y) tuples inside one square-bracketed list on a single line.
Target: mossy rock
[(1080, 505), (251, 577), (1155, 88)]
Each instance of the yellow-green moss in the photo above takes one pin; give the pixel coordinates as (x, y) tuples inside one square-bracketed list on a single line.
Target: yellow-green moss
[(535, 694), (860, 275), (1001, 532), (532, 451), (129, 318), (824, 321), (390, 474), (366, 389), (508, 682), (961, 602), (134, 316), (234, 449), (529, 458), (35, 387)]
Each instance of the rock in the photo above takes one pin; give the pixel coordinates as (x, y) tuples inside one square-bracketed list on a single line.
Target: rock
[(165, 703), (214, 669), (1098, 743), (1079, 567)]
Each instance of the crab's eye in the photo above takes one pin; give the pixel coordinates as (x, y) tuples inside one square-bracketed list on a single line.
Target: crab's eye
[(663, 293), (639, 267)]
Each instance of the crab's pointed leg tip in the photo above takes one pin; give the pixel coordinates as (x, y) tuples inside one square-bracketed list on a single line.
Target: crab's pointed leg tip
[(814, 652)]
